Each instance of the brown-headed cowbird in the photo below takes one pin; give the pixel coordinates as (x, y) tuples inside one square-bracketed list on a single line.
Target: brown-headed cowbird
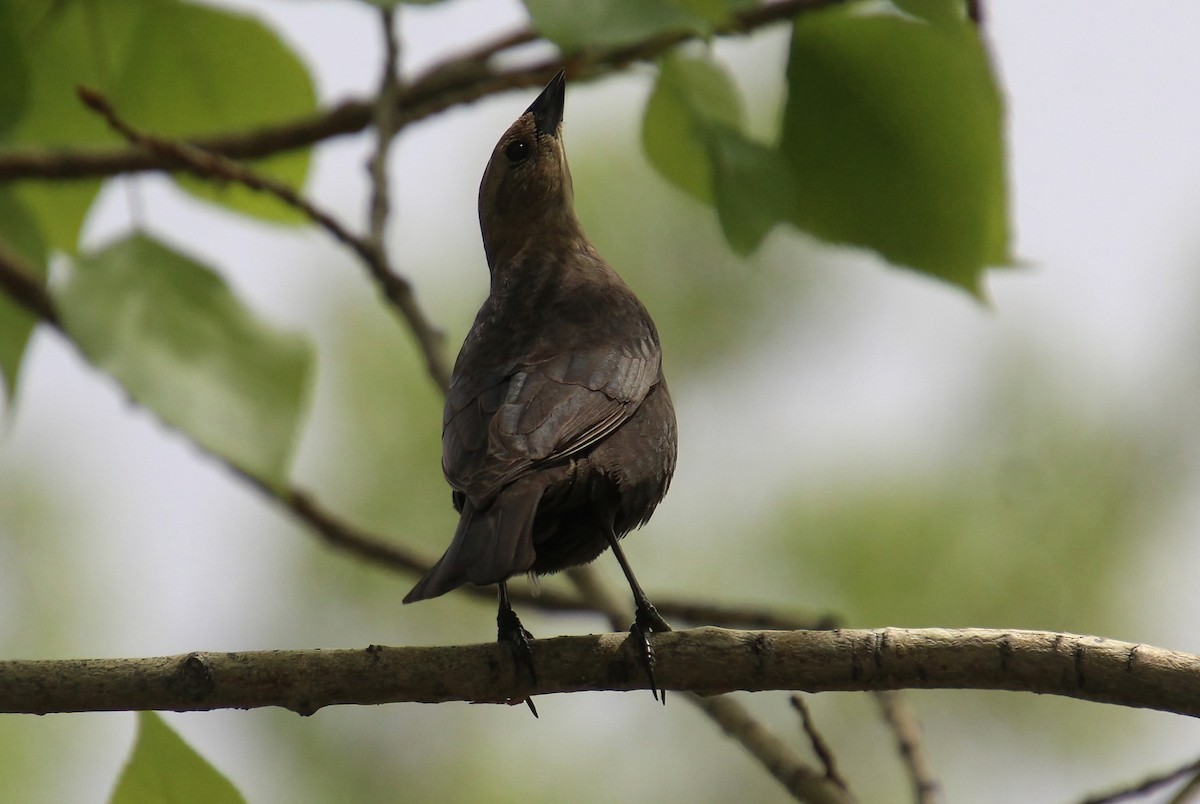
[(558, 436)]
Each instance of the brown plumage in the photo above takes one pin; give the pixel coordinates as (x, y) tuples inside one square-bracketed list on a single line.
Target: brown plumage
[(559, 434)]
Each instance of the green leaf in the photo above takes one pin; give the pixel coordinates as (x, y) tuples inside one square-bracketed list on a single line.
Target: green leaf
[(14, 73), (168, 66), (165, 770), (578, 24), (66, 43), (692, 133), (894, 129), (19, 231), (170, 331), (753, 188), (200, 70), (690, 99)]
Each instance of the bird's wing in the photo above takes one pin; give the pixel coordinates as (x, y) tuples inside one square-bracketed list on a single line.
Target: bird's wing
[(543, 411)]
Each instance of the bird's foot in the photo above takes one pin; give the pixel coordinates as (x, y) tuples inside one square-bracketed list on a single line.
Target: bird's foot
[(646, 621), (510, 631)]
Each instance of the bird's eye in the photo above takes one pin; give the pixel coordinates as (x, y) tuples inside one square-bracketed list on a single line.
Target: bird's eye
[(517, 151)]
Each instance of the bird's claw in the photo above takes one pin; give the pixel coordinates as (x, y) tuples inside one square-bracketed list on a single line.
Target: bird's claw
[(646, 621), (510, 631)]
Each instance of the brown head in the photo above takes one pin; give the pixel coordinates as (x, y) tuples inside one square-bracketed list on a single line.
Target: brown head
[(526, 188)]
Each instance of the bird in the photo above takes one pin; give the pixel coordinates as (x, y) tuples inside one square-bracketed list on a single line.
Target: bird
[(558, 434)]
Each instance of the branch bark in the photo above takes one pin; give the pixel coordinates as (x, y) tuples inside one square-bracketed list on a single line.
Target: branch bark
[(455, 81), (707, 661)]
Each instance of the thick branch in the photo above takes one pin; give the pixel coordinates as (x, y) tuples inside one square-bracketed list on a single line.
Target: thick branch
[(460, 80), (707, 661)]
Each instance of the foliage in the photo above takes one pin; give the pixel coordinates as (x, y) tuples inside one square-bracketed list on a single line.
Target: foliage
[(165, 770)]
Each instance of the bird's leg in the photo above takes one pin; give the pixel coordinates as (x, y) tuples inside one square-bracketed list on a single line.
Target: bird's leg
[(645, 621), (510, 631)]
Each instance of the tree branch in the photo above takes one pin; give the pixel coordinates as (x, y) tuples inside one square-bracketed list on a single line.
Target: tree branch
[(455, 81), (206, 165), (20, 283), (779, 759), (385, 130), (819, 745), (1151, 785), (903, 722), (800, 779), (707, 661)]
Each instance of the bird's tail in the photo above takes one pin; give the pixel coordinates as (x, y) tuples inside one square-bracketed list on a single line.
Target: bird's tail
[(489, 546)]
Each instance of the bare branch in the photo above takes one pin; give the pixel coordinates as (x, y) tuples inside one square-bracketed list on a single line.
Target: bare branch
[(903, 722), (819, 745), (19, 281), (456, 81), (706, 661), (1190, 792), (385, 130), (1150, 785), (803, 782)]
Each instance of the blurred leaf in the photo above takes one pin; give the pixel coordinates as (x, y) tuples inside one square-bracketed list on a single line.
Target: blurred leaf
[(893, 126), (578, 24), (67, 43), (690, 99), (195, 69), (753, 188), (199, 70), (14, 73), (165, 770), (716, 12), (939, 12), (19, 232), (169, 330)]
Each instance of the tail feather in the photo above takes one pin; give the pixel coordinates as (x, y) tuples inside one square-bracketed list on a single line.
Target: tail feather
[(489, 546)]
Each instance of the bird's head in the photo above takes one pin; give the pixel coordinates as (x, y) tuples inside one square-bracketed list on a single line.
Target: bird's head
[(526, 189)]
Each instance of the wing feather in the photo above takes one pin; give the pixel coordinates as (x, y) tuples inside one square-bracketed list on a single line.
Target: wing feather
[(544, 411)]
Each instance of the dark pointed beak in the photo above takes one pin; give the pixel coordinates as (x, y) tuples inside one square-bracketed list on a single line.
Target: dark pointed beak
[(547, 109)]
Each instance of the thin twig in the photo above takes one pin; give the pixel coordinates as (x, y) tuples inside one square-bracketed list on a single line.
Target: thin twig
[(802, 781), (1150, 785), (903, 722), (204, 164), (385, 130), (458, 80), (19, 281), (1190, 792), (819, 745)]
